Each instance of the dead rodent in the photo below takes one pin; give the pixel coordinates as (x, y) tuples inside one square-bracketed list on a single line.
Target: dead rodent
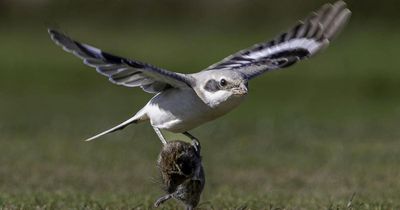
[(182, 173)]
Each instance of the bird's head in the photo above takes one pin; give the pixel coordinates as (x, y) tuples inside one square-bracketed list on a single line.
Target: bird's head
[(222, 87)]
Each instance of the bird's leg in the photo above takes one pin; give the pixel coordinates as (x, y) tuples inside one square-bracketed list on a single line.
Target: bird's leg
[(195, 141), (162, 200), (160, 135)]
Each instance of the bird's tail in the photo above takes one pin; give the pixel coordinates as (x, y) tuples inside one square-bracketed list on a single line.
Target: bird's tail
[(135, 119)]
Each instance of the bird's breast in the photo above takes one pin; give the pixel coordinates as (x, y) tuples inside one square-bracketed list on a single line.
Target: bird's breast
[(180, 110)]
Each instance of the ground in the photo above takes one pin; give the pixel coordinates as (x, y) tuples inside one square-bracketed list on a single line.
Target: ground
[(321, 135)]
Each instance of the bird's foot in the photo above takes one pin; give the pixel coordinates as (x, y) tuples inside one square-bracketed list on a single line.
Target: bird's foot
[(196, 145), (195, 141)]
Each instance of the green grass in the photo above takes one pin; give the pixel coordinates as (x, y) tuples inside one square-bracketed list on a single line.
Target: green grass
[(307, 138)]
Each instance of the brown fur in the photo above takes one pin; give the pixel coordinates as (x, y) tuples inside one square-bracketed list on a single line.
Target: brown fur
[(182, 173)]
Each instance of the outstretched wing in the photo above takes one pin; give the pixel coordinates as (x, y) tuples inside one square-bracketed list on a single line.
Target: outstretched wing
[(123, 71), (304, 40)]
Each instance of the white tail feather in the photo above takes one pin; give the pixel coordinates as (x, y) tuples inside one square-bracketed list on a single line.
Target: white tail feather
[(118, 127)]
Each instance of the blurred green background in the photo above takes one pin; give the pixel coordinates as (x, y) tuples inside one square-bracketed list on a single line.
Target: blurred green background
[(309, 137)]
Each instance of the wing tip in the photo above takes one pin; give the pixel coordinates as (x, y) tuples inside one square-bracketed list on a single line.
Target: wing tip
[(340, 4), (59, 38), (54, 34), (342, 20), (52, 31)]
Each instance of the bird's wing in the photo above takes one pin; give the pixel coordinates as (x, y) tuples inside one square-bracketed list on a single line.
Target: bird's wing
[(303, 40), (123, 71)]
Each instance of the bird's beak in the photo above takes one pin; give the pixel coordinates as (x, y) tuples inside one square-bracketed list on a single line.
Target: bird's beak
[(240, 91)]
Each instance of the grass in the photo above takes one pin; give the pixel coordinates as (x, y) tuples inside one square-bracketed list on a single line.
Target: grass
[(323, 135)]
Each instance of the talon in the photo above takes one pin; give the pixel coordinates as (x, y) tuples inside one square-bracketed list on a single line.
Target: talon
[(195, 141), (196, 145)]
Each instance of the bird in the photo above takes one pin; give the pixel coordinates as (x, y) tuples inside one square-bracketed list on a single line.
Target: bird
[(182, 102)]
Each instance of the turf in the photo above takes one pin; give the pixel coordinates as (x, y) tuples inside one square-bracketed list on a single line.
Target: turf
[(322, 135)]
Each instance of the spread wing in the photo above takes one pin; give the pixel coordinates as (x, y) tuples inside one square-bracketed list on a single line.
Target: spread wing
[(304, 40), (123, 71)]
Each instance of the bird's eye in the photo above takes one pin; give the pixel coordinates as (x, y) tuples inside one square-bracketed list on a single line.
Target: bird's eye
[(222, 82)]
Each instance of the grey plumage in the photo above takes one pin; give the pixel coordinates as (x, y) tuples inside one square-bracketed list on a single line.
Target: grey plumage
[(303, 40), (122, 71), (185, 101)]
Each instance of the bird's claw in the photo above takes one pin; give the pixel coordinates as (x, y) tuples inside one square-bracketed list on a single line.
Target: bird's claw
[(196, 145)]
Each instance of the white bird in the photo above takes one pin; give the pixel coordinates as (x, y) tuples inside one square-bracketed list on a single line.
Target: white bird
[(185, 101)]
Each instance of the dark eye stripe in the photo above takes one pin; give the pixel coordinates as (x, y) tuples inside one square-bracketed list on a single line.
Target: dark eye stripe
[(212, 86)]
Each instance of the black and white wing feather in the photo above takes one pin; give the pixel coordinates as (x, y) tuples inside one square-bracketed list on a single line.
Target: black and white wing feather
[(123, 71), (302, 41)]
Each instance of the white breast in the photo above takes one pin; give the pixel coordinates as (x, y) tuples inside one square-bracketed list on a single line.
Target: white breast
[(180, 110)]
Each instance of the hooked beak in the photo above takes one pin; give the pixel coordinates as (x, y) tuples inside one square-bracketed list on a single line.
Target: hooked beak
[(240, 91)]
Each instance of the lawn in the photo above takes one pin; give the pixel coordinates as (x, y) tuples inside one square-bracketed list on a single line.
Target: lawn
[(321, 135)]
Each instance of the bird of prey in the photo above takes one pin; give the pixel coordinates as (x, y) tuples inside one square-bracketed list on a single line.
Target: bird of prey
[(182, 102)]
